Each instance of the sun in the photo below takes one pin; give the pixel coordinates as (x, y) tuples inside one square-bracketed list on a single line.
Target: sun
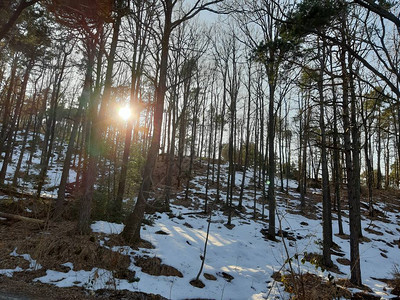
[(124, 112)]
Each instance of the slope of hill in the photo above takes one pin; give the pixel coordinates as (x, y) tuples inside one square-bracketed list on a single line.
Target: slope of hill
[(240, 262)]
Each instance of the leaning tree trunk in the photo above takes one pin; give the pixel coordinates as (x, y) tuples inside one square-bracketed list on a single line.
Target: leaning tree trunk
[(131, 231)]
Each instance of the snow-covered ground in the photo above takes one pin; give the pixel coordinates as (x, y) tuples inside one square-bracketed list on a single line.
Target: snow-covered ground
[(31, 171), (241, 252)]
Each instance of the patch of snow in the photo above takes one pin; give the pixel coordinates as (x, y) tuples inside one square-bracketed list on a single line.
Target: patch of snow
[(10, 272), (92, 280), (107, 227), (33, 264)]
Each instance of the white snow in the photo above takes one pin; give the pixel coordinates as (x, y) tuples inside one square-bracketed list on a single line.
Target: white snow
[(107, 227), (10, 272), (93, 280), (241, 252), (33, 264)]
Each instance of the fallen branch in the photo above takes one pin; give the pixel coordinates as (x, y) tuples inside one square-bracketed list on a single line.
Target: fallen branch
[(20, 218)]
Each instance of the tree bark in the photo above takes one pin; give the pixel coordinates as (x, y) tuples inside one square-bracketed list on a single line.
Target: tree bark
[(351, 181), (326, 199), (131, 232)]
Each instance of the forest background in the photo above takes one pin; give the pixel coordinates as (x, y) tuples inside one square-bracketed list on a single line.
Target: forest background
[(127, 95)]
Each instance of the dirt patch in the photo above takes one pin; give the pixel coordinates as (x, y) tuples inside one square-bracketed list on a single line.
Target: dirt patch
[(107, 294), (180, 200), (20, 289), (161, 232), (153, 266), (364, 296), (343, 261), (343, 236), (373, 231), (344, 282), (317, 260), (60, 245), (209, 276), (393, 283), (115, 240), (51, 248), (11, 262), (187, 225), (226, 276), (197, 283), (311, 287)]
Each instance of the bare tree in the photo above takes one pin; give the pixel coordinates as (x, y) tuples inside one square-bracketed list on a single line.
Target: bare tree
[(132, 225)]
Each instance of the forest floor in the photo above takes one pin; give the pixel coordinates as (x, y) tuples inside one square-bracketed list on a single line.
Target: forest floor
[(48, 261)]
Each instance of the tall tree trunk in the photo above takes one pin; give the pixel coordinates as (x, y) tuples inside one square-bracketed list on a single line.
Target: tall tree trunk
[(271, 157), (51, 127), (351, 174), (210, 142), (336, 159), (171, 156), (131, 231), (367, 148), (192, 145), (387, 166), (379, 150), (8, 103), (306, 115), (257, 158), (83, 99), (246, 158), (21, 153), (96, 127), (326, 198), (14, 122), (88, 178), (222, 124), (355, 133)]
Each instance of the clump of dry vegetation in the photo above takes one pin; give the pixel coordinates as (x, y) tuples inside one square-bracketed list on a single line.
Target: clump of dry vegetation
[(154, 266), (59, 245), (312, 287), (395, 282)]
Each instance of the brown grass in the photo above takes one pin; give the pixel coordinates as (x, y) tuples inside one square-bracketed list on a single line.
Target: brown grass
[(61, 245), (311, 287), (153, 266)]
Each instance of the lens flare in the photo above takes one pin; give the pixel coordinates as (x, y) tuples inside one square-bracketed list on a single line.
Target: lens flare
[(124, 112)]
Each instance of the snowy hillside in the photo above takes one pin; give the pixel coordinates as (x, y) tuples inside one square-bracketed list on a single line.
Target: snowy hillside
[(240, 263)]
